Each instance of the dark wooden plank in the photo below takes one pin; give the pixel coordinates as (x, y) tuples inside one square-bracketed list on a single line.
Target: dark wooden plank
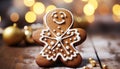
[(108, 49)]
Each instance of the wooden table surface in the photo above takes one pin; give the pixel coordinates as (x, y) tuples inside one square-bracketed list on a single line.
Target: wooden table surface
[(23, 56)]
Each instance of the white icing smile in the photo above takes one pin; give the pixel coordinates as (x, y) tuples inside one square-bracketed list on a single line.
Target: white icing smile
[(58, 22)]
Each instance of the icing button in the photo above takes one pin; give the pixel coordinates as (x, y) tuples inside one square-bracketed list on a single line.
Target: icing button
[(64, 55), (53, 50), (46, 50), (61, 50), (67, 47), (54, 30), (48, 34), (68, 32), (49, 47), (62, 31), (66, 42), (70, 39), (59, 45), (71, 51), (50, 52), (75, 38), (58, 34), (59, 27), (54, 54), (52, 42), (56, 48)]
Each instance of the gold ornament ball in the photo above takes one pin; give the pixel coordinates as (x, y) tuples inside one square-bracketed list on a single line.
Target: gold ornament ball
[(12, 35), (28, 35), (105, 66), (93, 62)]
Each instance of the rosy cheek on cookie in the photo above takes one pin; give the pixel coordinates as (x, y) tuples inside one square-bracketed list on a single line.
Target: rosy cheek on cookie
[(55, 17)]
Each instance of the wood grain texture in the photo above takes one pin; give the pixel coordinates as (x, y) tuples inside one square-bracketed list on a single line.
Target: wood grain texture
[(23, 57)]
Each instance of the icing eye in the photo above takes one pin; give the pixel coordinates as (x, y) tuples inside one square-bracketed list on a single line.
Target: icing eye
[(62, 16), (55, 16)]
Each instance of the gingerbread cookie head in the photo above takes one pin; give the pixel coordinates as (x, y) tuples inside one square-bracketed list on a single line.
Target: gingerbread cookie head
[(59, 40), (58, 20)]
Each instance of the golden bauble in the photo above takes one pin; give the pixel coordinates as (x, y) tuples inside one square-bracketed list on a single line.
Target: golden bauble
[(28, 35), (12, 35)]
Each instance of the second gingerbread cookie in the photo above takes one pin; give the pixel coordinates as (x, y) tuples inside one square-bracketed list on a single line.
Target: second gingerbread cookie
[(59, 39)]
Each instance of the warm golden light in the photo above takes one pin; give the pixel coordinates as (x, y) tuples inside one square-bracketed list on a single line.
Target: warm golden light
[(88, 10), (94, 3), (14, 16), (116, 9), (0, 18), (30, 17), (85, 0), (90, 19), (68, 1), (50, 7), (29, 3), (78, 19), (38, 8)]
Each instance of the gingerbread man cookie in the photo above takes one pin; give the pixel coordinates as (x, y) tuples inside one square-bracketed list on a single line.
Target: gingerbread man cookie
[(59, 40)]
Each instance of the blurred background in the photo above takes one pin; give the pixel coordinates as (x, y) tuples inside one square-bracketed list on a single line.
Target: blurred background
[(101, 18), (99, 15)]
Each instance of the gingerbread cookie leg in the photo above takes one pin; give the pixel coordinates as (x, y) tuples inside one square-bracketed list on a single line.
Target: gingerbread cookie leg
[(75, 62), (43, 62)]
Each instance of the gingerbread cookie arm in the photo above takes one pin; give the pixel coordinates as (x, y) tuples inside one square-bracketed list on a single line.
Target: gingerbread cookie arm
[(36, 35), (83, 36)]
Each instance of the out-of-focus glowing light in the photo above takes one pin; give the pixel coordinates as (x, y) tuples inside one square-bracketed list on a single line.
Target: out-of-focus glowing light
[(68, 1), (78, 19), (30, 17), (88, 10), (90, 19), (50, 7), (94, 3), (85, 0), (103, 9), (14, 16), (116, 9), (0, 18), (29, 3), (38, 8), (116, 18)]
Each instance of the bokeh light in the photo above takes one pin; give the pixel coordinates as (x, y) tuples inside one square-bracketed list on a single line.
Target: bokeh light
[(68, 1), (90, 19), (29, 3), (88, 10), (116, 9), (14, 17), (50, 7), (0, 18), (85, 0), (94, 3), (38, 8), (30, 17)]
